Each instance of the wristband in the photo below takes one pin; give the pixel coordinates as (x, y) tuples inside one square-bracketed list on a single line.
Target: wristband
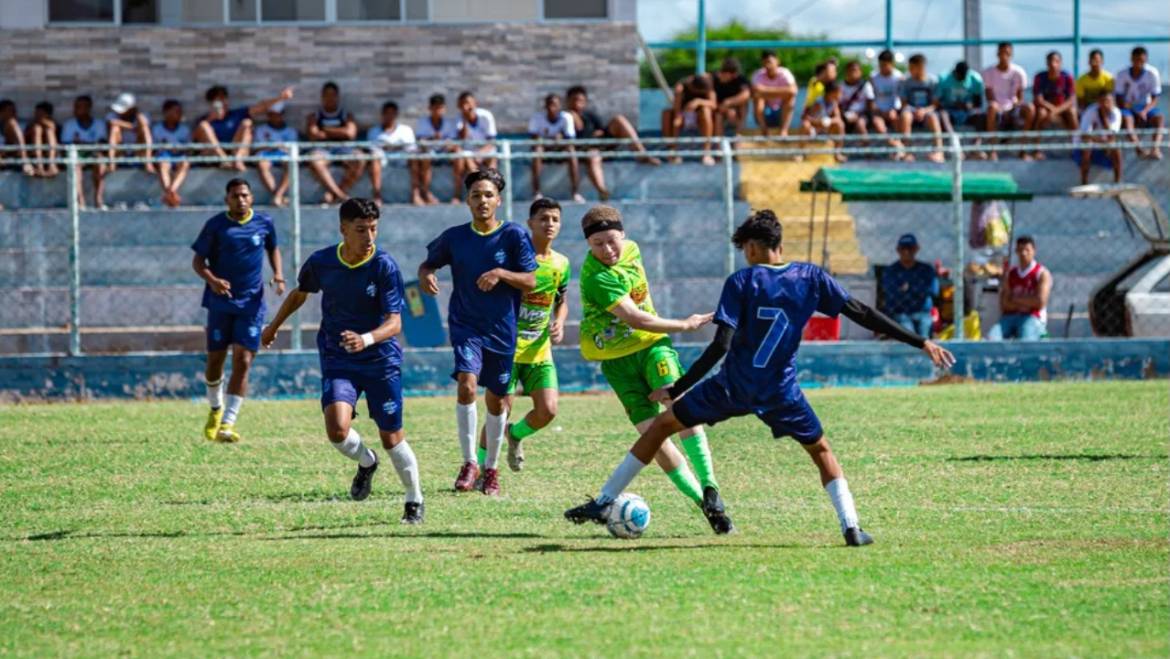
[(367, 340)]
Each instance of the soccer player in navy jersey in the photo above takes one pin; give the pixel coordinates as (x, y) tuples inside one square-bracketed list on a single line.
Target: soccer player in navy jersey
[(361, 316), (762, 312), (229, 257), (492, 265)]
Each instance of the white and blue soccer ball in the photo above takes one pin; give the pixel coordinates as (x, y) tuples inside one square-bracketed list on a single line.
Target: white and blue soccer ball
[(629, 515)]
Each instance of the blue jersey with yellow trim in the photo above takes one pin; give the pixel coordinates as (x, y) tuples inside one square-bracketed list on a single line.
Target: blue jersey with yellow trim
[(235, 251), (768, 307), (355, 297), (491, 315)]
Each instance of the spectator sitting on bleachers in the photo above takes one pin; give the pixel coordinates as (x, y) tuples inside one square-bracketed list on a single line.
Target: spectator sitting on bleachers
[(824, 73), (693, 109), (909, 287), (275, 130), (172, 135), (732, 94), (222, 125), (13, 136), (126, 124), (1100, 124), (823, 117), (475, 123), (590, 126), (774, 91), (436, 126), (1005, 83), (960, 99), (332, 123), (1023, 297), (84, 128), (857, 103), (918, 92), (393, 135), (1137, 89), (558, 126), (1054, 95), (887, 101), (1095, 82), (40, 135)]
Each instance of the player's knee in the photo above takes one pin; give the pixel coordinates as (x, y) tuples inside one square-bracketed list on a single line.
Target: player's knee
[(392, 438), (337, 433), (466, 393), (543, 415)]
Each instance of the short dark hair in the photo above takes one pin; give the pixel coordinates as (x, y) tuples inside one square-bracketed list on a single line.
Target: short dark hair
[(852, 63), (84, 98), (961, 68), (831, 86), (768, 53), (576, 89), (357, 208), (730, 65), (171, 103), (1026, 240), (44, 106), (886, 56), (7, 104), (235, 183), (437, 99), (464, 95), (389, 104), (1138, 50), (543, 204), (1003, 44), (917, 58), (214, 92), (819, 69), (832, 60), (484, 175), (1095, 52), (700, 83), (330, 85), (762, 227), (549, 99), (1051, 54)]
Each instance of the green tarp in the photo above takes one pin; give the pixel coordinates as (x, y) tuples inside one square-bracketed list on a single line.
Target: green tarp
[(911, 185)]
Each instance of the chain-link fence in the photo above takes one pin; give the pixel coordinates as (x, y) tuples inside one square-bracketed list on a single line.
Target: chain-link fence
[(86, 279)]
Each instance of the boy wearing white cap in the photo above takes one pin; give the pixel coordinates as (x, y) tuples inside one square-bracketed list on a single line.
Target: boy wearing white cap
[(126, 124)]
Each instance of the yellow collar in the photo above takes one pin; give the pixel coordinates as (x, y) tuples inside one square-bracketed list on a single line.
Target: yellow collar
[(247, 218), (499, 225), (360, 263)]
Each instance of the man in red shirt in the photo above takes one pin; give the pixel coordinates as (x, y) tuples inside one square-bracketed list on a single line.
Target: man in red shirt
[(1054, 97)]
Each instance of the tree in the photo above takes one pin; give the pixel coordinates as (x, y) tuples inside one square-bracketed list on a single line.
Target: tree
[(678, 63)]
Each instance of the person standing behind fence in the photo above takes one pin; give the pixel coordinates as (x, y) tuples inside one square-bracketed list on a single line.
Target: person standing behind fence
[(83, 128), (1137, 89), (909, 287), (229, 258), (1023, 297), (172, 136)]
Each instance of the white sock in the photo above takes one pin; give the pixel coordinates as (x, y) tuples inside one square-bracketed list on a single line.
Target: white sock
[(842, 500), (493, 427), (466, 422), (215, 393), (621, 478), (407, 467), (232, 410), (352, 448)]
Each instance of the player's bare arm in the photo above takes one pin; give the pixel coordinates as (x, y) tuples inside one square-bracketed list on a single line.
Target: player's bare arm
[(630, 314), (218, 286), (294, 301), (428, 282), (354, 342), (277, 270), (522, 281), (556, 329)]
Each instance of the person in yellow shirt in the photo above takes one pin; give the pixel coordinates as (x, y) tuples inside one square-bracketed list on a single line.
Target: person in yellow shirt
[(1094, 83), (825, 72)]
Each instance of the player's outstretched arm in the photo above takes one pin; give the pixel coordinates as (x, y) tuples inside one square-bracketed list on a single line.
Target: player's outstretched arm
[(876, 321), (354, 342), (630, 314), (294, 301), (522, 281), (719, 347)]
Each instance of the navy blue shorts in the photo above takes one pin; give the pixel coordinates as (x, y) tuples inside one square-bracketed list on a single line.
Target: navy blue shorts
[(242, 329), (493, 369), (709, 402), (383, 393)]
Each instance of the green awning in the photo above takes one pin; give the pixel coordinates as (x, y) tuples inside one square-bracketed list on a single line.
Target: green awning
[(911, 185)]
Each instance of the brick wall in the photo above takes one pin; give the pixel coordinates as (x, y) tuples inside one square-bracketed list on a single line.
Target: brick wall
[(509, 66)]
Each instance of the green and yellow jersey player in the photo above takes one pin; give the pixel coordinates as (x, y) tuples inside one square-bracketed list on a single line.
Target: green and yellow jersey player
[(540, 323), (621, 329)]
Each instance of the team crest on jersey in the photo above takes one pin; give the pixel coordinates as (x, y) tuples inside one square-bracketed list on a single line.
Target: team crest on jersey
[(254, 331), (390, 407), (500, 256), (467, 353), (504, 377), (371, 289), (256, 239)]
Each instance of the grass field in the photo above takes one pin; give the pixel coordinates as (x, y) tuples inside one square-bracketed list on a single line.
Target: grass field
[(1028, 520)]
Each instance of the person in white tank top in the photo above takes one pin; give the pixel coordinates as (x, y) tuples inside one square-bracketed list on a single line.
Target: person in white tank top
[(1023, 297)]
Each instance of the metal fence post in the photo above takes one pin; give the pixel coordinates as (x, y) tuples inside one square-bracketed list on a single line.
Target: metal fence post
[(294, 184), (701, 47), (506, 156), (959, 272), (729, 200), (74, 254)]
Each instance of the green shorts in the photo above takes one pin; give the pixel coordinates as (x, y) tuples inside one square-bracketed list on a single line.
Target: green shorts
[(533, 377), (635, 376)]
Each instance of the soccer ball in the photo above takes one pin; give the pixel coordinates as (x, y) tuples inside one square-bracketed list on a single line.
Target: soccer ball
[(629, 515)]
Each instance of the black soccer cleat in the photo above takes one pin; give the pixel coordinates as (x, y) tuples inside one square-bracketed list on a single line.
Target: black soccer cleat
[(590, 511), (413, 512), (716, 512), (855, 537), (360, 489)]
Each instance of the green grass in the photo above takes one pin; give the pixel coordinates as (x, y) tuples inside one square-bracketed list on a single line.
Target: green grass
[(1025, 520)]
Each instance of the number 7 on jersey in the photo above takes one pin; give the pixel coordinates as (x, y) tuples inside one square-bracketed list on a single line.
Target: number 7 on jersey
[(772, 338)]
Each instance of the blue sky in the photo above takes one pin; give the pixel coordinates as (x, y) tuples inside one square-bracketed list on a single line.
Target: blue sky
[(933, 19)]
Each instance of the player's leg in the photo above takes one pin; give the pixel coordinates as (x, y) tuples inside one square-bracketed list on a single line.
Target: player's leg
[(468, 362), (245, 344), (338, 397), (662, 369), (540, 384), (496, 376), (219, 336), (384, 402)]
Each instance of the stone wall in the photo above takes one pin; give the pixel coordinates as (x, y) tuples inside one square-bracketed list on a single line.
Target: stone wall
[(509, 66)]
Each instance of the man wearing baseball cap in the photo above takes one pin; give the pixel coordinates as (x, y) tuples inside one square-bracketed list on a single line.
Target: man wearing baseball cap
[(909, 287), (127, 124)]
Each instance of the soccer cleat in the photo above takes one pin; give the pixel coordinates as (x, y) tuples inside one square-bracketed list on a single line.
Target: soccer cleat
[(855, 537), (413, 512), (491, 482), (515, 453), (227, 434), (715, 512), (467, 475), (360, 489), (211, 428), (592, 510)]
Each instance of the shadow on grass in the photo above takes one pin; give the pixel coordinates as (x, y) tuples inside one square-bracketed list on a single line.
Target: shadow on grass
[(407, 535), (74, 534), (1086, 457), (637, 546)]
